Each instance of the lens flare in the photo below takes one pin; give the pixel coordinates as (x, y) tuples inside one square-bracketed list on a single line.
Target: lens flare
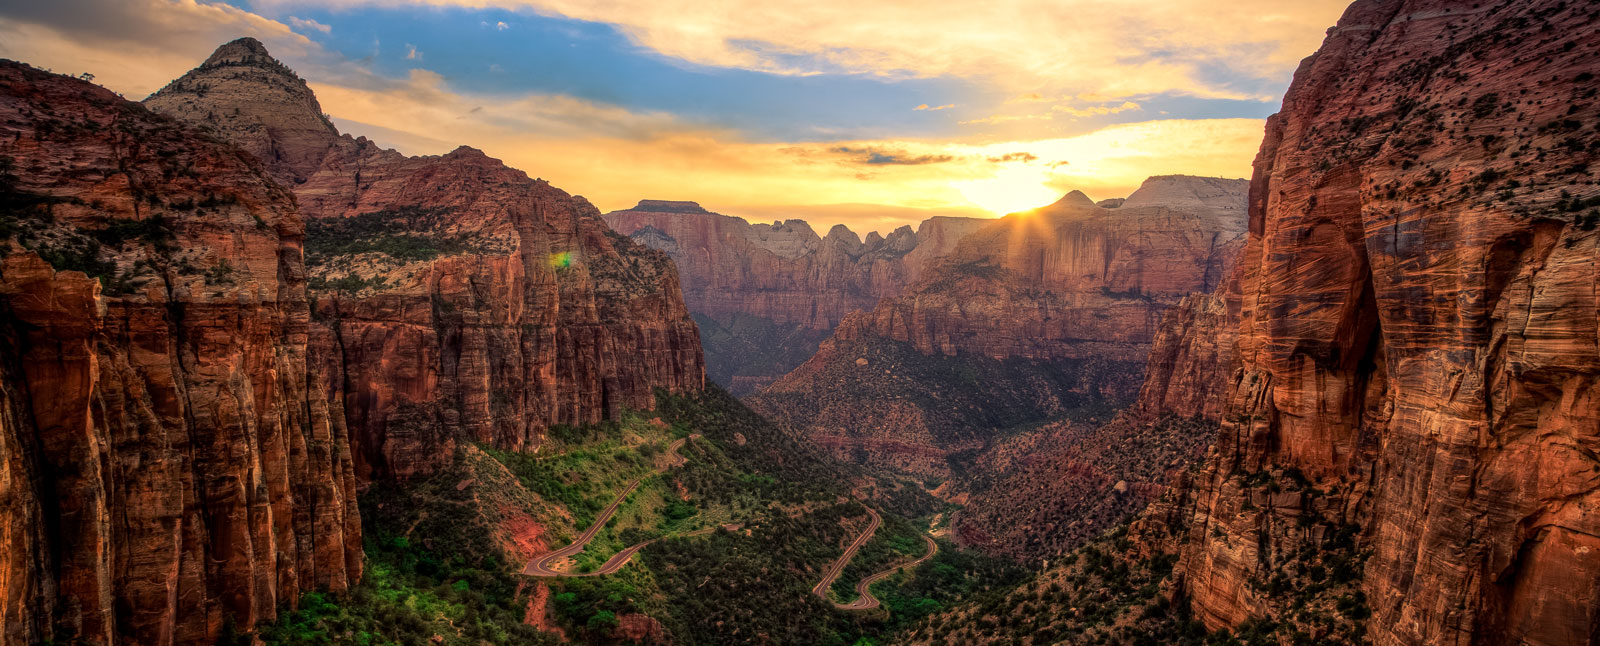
[(561, 260)]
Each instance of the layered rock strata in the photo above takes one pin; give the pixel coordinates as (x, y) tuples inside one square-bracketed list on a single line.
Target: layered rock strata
[(1418, 337), (456, 299), (170, 466), (764, 294)]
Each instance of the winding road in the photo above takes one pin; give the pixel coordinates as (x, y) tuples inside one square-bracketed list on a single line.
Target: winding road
[(543, 565), (864, 599), (849, 552)]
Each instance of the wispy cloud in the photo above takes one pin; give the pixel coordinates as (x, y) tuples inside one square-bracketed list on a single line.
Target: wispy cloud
[(1097, 110), (306, 24), (925, 106), (412, 54), (877, 157), (1013, 157)]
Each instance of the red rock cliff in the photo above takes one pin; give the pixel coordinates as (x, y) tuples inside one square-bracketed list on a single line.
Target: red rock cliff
[(766, 294), (168, 463), (1418, 329), (456, 298), (1072, 279), (784, 271)]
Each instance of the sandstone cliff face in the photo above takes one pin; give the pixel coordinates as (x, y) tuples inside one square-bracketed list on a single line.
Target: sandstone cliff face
[(766, 294), (1071, 279), (168, 459), (1418, 330), (1040, 315), (1192, 357), (456, 299)]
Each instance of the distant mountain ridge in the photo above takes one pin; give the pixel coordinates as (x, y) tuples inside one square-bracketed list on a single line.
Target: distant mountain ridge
[(765, 294)]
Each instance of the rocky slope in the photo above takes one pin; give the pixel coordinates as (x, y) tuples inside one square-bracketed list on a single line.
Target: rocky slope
[(456, 298), (766, 294), (169, 462), (1418, 333), (1051, 311), (1041, 493)]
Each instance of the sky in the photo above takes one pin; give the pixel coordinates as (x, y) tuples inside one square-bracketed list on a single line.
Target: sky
[(871, 114)]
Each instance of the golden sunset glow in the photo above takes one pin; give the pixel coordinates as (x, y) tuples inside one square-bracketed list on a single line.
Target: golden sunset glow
[(805, 111), (1009, 190)]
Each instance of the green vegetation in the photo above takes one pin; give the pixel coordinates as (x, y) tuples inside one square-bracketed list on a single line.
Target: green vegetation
[(444, 553), (408, 595), (408, 233), (898, 540), (951, 576)]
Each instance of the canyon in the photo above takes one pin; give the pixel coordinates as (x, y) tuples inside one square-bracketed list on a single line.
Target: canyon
[(1038, 316), (765, 295), (1349, 400)]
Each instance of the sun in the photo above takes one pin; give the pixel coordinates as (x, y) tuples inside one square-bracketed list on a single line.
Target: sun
[(1009, 190)]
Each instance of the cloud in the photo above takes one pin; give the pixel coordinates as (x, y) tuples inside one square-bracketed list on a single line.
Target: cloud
[(136, 46), (881, 158), (308, 24), (1006, 118), (1097, 110), (1243, 50), (924, 106), (614, 155), (1013, 157), (412, 54)]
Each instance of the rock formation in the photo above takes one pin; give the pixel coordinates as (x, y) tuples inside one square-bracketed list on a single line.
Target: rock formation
[(455, 298), (169, 462), (766, 294), (1039, 315), (1418, 335), (1071, 279)]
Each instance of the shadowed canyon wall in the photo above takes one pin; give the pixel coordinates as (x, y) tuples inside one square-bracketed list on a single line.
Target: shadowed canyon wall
[(1418, 330), (169, 462), (766, 294), (455, 298)]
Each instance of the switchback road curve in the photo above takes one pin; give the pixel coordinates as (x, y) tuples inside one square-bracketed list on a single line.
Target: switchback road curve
[(543, 565)]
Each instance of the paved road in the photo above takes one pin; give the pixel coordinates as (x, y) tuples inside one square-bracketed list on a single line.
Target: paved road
[(849, 552), (864, 599), (544, 564)]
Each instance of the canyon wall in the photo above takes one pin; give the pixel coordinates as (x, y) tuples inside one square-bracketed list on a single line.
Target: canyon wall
[(766, 294), (455, 299), (1041, 315), (1072, 279), (169, 463), (1418, 331)]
